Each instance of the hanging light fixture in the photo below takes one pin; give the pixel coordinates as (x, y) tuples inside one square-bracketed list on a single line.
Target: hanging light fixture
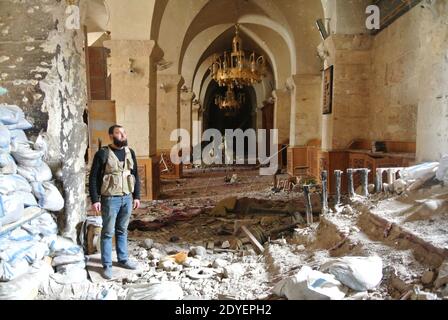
[(233, 69), (230, 102)]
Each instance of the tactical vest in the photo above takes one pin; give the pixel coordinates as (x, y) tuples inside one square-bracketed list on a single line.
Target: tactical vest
[(117, 179)]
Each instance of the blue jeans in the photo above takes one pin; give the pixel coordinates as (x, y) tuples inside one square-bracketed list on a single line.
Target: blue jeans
[(115, 212)]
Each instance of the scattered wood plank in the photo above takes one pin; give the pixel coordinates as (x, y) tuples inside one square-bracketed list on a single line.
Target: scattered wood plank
[(257, 246)]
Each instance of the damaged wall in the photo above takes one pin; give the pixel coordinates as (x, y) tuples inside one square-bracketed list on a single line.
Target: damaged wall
[(49, 83)]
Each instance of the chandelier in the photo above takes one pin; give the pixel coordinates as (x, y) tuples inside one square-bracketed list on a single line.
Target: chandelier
[(234, 69), (230, 102)]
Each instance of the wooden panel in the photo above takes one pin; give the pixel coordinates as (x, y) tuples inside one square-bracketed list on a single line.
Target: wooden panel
[(337, 160), (148, 169), (175, 171), (101, 116), (98, 73)]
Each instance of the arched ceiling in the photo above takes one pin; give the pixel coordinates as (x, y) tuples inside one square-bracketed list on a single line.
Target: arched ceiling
[(197, 25)]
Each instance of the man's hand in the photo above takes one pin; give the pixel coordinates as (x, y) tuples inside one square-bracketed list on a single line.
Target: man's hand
[(136, 204), (96, 207)]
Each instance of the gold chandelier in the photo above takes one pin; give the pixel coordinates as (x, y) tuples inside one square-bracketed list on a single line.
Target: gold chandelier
[(230, 102), (234, 69)]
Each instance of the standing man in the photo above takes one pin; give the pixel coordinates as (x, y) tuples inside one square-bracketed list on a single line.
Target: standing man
[(115, 190)]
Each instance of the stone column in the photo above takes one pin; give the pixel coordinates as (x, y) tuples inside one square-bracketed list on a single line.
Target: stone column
[(282, 111), (350, 55), (186, 100), (134, 78), (168, 119), (63, 83)]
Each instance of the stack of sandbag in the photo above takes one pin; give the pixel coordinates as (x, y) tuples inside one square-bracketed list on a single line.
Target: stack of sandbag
[(69, 262), (25, 178), (25, 248)]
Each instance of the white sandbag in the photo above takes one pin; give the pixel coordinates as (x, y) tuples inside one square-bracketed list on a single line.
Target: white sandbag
[(20, 234), (7, 163), (357, 273), (10, 114), (309, 284), (10, 271), (26, 287), (28, 199), (419, 171), (49, 197), (40, 173), (25, 154), (44, 225), (36, 252), (156, 291), (18, 135), (23, 124), (442, 172), (64, 246), (12, 251), (10, 183), (5, 138), (11, 209), (67, 259), (73, 275)]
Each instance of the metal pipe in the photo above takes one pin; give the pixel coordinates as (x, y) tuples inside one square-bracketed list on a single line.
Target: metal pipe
[(379, 180), (324, 178), (351, 188), (309, 209), (338, 175), (365, 182)]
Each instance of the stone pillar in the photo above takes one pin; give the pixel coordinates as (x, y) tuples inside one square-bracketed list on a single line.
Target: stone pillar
[(134, 78), (65, 90), (186, 100), (282, 111), (350, 55), (168, 113)]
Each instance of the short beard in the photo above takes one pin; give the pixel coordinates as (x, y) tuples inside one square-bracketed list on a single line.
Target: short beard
[(120, 144)]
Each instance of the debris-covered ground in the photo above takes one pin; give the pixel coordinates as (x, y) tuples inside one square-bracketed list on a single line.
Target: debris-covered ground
[(192, 240), (236, 235)]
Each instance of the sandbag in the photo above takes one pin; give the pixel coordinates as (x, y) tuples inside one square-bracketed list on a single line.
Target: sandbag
[(68, 259), (10, 271), (64, 246), (36, 252), (419, 171), (23, 124), (13, 182), (5, 138), (357, 273), (7, 163), (44, 225), (35, 174), (10, 114), (20, 234), (11, 209), (442, 172), (309, 284), (28, 199), (18, 135), (156, 291), (26, 287), (25, 154), (49, 197)]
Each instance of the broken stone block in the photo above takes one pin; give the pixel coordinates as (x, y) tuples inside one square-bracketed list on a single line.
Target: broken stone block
[(148, 243), (154, 254), (198, 251), (192, 263), (223, 206), (142, 254), (220, 263), (202, 273), (168, 265), (233, 271), (427, 277), (225, 245), (442, 277)]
